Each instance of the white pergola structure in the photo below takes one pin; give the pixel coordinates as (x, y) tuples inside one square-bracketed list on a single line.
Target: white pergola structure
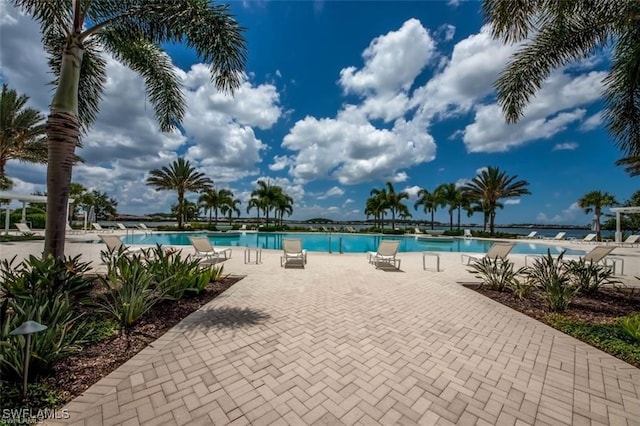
[(618, 211), (10, 196)]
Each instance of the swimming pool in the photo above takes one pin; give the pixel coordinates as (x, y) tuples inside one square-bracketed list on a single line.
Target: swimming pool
[(339, 243)]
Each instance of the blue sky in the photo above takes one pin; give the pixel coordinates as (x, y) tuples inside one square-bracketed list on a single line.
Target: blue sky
[(340, 97)]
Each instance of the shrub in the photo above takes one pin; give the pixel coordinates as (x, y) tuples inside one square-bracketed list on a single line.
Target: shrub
[(590, 277), (520, 289), (131, 290), (552, 277), (631, 326), (495, 273), (454, 232)]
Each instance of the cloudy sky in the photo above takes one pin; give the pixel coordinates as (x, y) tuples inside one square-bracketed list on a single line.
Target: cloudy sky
[(338, 98)]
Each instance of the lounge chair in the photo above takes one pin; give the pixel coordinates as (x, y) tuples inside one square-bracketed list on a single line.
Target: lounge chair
[(144, 227), (293, 254), (386, 253), (559, 236), (121, 226), (115, 245), (70, 230), (497, 251), (631, 241), (24, 228), (467, 233), (205, 250), (532, 234), (417, 230), (588, 239), (599, 254), (96, 226)]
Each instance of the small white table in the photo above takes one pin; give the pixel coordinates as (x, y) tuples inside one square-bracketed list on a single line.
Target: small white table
[(258, 255), (424, 260)]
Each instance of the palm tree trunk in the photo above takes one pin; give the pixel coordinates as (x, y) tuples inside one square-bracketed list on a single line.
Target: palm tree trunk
[(393, 219), (451, 220), (433, 211), (180, 208), (458, 218), (492, 219), (63, 133)]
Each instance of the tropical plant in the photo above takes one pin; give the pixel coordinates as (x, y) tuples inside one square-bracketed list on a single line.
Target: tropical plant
[(22, 132), (492, 185), (448, 195), (77, 35), (266, 195), (590, 277), (429, 202), (631, 164), (254, 202), (631, 326), (182, 177), (377, 205), (282, 203), (553, 278), (130, 290), (212, 200), (497, 274), (593, 202), (557, 33)]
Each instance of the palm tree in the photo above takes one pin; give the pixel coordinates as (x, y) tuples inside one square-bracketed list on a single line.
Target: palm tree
[(429, 202), (283, 203), (22, 131), (448, 195), (265, 194), (78, 34), (492, 185), (378, 204), (212, 200), (394, 202), (182, 177), (230, 206), (254, 202), (631, 164), (558, 33), (594, 201)]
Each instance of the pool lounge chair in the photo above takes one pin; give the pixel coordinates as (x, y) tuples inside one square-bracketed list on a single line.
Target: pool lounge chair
[(467, 233), (293, 253), (590, 238), (599, 254), (96, 226), (121, 226), (559, 236), (417, 230), (532, 234), (24, 228), (497, 251), (69, 230), (205, 250), (386, 254), (631, 241), (115, 245), (144, 227)]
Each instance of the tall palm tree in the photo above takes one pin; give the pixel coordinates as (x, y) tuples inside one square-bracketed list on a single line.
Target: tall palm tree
[(231, 206), (78, 34), (594, 201), (558, 33), (283, 203), (22, 131), (492, 185), (182, 177), (378, 205), (429, 202), (394, 202), (212, 200), (254, 202), (448, 195), (266, 194)]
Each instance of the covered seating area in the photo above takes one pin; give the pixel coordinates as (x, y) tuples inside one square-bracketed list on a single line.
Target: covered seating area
[(24, 199), (618, 211)]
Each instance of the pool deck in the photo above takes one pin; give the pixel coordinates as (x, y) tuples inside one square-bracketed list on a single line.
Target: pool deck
[(340, 342)]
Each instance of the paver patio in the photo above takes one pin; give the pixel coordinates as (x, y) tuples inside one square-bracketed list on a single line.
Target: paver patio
[(342, 343)]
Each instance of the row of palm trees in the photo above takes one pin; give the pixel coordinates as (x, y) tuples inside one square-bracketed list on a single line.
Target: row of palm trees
[(482, 194), (181, 176)]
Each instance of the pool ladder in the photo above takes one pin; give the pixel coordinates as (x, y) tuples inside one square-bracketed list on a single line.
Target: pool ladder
[(339, 244)]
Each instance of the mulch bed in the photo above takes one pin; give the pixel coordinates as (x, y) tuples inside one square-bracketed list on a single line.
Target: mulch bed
[(75, 374), (604, 307)]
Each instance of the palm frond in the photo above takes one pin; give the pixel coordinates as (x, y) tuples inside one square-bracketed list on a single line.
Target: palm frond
[(631, 165)]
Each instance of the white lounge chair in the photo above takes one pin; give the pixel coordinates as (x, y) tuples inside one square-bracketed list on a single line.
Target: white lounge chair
[(532, 234), (559, 236), (144, 227), (70, 230), (121, 226), (417, 230), (467, 233), (386, 253), (599, 254), (24, 228), (497, 251), (587, 239), (205, 250), (293, 253), (631, 241), (96, 226), (115, 245)]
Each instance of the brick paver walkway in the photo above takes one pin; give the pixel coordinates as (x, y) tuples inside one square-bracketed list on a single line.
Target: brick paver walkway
[(343, 343)]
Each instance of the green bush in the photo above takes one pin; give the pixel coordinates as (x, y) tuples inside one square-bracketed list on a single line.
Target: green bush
[(36, 217), (130, 290), (589, 277), (497, 274), (40, 398), (552, 277), (631, 326), (453, 232)]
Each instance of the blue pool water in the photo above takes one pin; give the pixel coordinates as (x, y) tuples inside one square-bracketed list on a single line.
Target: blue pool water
[(336, 243)]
